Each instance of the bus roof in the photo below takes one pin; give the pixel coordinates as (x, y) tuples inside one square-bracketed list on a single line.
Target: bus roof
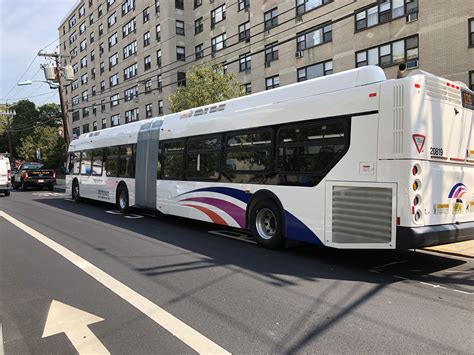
[(127, 134)]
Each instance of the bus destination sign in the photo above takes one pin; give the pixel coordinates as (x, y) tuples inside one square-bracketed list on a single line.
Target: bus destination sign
[(467, 99)]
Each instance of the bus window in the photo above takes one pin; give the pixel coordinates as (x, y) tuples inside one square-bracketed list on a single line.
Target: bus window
[(86, 162), (126, 167), (310, 149), (111, 160), (203, 158), (172, 159), (97, 157), (74, 163), (250, 151)]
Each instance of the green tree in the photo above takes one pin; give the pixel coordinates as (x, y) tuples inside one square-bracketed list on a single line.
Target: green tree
[(23, 123), (50, 114), (50, 143), (205, 85)]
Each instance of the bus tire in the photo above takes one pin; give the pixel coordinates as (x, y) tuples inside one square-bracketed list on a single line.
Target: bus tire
[(266, 224), (122, 198), (75, 193)]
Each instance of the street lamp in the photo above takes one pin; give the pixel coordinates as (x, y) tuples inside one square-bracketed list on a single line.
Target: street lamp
[(29, 82)]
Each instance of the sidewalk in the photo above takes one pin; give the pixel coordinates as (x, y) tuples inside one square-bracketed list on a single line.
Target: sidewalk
[(464, 249)]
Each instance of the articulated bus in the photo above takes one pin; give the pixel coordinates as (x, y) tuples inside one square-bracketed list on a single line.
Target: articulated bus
[(350, 160)]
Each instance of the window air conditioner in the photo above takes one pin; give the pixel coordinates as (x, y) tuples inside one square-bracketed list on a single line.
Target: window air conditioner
[(299, 54), (412, 64)]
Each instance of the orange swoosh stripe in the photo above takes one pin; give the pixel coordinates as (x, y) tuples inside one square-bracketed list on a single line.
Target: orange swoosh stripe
[(211, 214)]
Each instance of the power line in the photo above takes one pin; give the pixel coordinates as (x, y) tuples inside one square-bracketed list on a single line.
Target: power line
[(261, 50)]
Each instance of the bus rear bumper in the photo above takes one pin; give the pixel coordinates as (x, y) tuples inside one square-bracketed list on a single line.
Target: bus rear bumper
[(420, 237)]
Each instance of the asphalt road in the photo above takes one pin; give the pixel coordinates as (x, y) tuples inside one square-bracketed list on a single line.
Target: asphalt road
[(149, 272)]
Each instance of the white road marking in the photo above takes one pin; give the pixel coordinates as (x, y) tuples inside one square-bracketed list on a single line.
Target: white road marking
[(113, 212), (48, 194), (433, 285), (400, 277), (74, 322), (464, 292), (133, 216), (179, 329), (389, 264)]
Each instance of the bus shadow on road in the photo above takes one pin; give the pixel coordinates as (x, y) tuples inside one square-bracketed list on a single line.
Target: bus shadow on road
[(303, 261)]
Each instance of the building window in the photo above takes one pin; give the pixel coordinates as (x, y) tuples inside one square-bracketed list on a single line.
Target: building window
[(244, 4), (130, 49), (158, 33), (244, 31), (315, 71), (198, 26), (197, 3), (130, 94), (112, 19), (94, 126), (102, 86), (75, 100), (102, 105), (247, 88), (113, 60), (84, 79), (471, 80), (94, 90), (270, 18), (180, 54), (146, 39), (130, 27), (131, 115), (127, 6), (85, 128), (471, 32), (303, 6), (104, 123), (179, 4), (160, 82), (180, 27), (101, 30), (92, 37), (158, 57), (85, 96), (83, 45), (385, 11), (82, 28), (113, 40), (114, 80), (272, 82), (157, 7), (217, 15), (115, 120), (218, 42), (85, 112), (148, 86), (114, 100), (100, 10), (74, 85), (389, 54), (83, 62), (160, 107), (92, 55), (82, 11), (94, 109), (271, 52), (146, 15), (147, 62), (245, 62), (101, 68), (72, 37), (199, 51), (149, 110), (75, 116), (181, 79), (314, 37), (130, 72)]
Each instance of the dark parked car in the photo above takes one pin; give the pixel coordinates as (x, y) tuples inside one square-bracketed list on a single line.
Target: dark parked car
[(31, 174)]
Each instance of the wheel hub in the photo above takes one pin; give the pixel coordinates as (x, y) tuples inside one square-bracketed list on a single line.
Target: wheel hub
[(266, 223)]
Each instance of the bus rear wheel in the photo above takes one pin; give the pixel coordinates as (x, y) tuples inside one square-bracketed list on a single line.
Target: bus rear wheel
[(266, 224), (122, 198)]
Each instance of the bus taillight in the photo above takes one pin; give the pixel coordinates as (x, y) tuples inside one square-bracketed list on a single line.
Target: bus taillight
[(415, 170)]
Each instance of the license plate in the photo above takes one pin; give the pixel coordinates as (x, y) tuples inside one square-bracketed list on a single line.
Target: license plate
[(40, 181)]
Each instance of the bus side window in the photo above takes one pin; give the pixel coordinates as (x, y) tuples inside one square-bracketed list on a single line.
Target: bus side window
[(75, 163), (86, 162), (97, 161), (126, 165), (173, 159), (111, 161)]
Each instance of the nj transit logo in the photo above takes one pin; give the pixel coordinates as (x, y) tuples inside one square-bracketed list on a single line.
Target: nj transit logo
[(458, 191)]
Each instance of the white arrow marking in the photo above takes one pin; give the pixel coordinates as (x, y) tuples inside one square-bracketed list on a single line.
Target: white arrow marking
[(74, 323)]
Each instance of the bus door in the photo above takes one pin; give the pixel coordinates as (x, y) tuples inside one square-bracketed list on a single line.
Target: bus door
[(147, 164)]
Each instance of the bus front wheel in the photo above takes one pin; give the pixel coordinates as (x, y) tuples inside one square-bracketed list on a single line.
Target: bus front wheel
[(122, 198), (266, 224), (75, 191)]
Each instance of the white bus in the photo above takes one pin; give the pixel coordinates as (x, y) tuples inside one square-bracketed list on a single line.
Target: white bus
[(350, 160)]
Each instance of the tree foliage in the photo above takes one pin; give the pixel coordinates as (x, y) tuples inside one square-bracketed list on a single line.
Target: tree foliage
[(50, 143), (50, 114), (205, 85)]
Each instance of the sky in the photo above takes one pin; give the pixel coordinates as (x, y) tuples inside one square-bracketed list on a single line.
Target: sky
[(26, 27)]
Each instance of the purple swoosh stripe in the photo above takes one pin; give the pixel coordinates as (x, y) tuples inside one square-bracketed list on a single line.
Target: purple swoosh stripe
[(232, 210)]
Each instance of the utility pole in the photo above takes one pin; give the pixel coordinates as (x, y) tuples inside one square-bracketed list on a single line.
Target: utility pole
[(62, 97)]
